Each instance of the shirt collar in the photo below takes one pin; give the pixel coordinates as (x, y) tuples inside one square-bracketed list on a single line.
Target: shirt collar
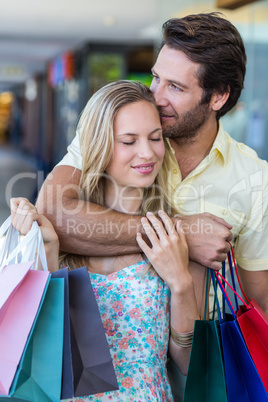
[(220, 143)]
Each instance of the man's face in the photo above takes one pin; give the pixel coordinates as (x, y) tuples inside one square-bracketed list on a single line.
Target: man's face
[(178, 95)]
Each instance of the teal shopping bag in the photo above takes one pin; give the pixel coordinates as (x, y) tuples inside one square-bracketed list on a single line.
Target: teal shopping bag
[(205, 380), (38, 378)]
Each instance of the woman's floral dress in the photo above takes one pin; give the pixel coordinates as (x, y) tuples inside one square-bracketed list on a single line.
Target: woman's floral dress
[(135, 313)]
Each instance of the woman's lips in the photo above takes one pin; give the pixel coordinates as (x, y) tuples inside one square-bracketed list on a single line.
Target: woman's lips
[(145, 168)]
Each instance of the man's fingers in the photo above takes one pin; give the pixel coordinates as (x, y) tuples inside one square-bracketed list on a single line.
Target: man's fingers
[(221, 221), (216, 265)]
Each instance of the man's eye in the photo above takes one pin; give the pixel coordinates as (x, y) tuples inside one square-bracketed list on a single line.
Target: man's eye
[(155, 77), (175, 87)]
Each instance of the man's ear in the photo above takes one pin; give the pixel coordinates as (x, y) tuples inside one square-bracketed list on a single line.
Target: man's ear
[(218, 100)]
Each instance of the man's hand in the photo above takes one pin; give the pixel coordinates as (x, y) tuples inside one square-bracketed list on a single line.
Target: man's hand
[(207, 237)]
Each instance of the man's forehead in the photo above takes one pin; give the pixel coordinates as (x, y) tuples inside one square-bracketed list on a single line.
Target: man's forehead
[(174, 65)]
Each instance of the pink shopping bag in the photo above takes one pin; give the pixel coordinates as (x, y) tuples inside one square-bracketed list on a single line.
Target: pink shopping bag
[(21, 295), (16, 323), (11, 276)]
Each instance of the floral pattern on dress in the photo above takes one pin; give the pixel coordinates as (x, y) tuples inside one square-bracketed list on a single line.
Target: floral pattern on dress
[(135, 313)]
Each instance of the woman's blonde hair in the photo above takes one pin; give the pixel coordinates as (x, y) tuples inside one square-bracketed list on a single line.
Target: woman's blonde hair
[(96, 133)]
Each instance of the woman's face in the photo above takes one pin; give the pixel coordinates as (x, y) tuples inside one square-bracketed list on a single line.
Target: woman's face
[(138, 146)]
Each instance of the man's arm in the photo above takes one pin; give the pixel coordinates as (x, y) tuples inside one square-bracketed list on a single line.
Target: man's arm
[(255, 285), (89, 229), (83, 227), (208, 237)]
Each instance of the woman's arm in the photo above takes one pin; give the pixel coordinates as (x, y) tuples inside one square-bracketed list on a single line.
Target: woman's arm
[(23, 213), (169, 256)]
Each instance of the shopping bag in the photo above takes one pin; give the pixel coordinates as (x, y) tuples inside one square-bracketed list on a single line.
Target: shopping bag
[(205, 380), (11, 276), (253, 323), (88, 366), (242, 378), (21, 293), (38, 378), (67, 386)]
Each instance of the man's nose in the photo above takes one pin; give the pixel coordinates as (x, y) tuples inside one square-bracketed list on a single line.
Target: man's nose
[(159, 95)]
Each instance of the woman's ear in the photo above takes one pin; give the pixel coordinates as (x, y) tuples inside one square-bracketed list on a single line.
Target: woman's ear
[(218, 100)]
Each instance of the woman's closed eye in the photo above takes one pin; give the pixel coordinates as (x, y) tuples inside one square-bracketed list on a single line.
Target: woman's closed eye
[(128, 143)]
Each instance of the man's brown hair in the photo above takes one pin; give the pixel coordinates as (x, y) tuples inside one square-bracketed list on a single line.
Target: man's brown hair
[(213, 42)]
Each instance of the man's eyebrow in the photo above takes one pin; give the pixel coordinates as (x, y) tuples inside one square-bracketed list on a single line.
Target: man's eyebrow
[(180, 84)]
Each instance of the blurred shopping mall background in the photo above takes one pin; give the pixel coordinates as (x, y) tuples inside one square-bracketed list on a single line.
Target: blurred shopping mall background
[(55, 54)]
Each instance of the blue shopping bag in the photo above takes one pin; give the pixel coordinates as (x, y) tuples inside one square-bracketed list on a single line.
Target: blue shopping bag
[(242, 378)]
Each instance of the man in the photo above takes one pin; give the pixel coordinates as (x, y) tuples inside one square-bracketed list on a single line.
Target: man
[(197, 78)]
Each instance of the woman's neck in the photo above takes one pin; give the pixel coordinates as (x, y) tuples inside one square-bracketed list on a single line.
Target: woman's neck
[(126, 200), (123, 199)]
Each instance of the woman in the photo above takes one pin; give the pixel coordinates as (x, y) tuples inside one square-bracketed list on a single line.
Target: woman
[(141, 302)]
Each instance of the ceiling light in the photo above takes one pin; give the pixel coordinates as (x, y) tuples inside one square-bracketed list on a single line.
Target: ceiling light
[(109, 21)]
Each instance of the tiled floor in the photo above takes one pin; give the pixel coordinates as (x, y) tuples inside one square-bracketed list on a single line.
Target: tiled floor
[(18, 177)]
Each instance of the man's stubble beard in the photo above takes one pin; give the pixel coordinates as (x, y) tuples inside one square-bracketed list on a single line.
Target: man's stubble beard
[(187, 126)]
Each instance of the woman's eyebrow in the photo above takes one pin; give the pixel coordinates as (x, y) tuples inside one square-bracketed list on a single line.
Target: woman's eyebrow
[(134, 134)]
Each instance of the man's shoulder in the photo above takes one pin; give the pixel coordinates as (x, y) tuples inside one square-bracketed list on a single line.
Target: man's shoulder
[(241, 154)]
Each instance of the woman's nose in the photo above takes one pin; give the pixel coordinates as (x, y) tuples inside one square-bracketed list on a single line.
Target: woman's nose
[(145, 151)]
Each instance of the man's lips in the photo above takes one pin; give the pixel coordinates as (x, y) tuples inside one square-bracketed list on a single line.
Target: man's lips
[(165, 116)]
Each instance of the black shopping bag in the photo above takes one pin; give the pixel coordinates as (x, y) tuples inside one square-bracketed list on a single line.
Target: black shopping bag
[(87, 364)]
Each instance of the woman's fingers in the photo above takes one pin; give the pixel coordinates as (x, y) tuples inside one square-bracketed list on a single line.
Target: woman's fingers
[(144, 247), (149, 228), (168, 223), (158, 227), (23, 213)]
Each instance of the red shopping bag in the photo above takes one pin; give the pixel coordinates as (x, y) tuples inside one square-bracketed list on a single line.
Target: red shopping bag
[(253, 324)]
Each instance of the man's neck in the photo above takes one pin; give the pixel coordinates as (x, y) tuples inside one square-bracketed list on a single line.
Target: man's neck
[(190, 154)]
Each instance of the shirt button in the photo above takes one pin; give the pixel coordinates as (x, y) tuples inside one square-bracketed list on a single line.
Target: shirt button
[(175, 171), (225, 212)]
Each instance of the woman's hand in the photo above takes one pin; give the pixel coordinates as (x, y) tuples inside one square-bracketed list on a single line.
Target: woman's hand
[(23, 213), (169, 252)]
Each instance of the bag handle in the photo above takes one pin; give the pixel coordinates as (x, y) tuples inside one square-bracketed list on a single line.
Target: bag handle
[(216, 300), (36, 251), (206, 299), (4, 227), (29, 248), (221, 280), (11, 241), (236, 271), (216, 305)]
